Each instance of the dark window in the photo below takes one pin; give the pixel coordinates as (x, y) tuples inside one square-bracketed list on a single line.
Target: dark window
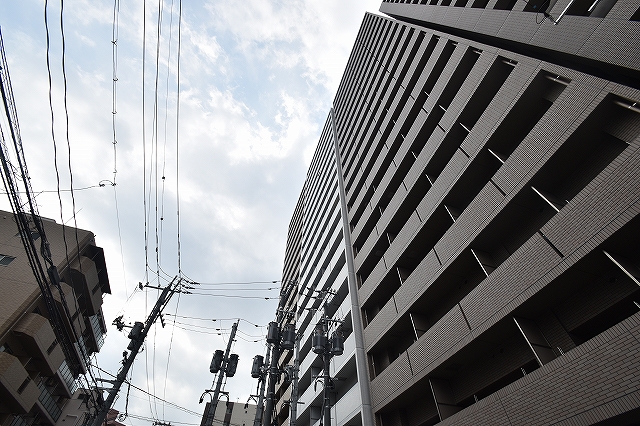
[(51, 347), (5, 260), (34, 234), (24, 385), (5, 348)]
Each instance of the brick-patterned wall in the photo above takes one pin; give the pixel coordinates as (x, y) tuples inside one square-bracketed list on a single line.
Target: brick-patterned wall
[(596, 381)]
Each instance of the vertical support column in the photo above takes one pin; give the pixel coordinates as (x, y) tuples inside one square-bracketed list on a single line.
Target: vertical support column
[(535, 339), (361, 356), (443, 396)]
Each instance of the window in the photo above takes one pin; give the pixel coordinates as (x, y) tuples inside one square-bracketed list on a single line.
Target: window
[(34, 234), (24, 385), (52, 346), (5, 260)]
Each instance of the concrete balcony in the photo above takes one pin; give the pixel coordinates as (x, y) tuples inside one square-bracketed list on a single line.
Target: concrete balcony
[(69, 297), (36, 336), (17, 391), (95, 332), (48, 407), (67, 384), (82, 275), (347, 406)]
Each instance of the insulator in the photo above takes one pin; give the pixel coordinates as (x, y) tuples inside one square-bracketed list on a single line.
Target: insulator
[(337, 343), (288, 337), (256, 368), (273, 333), (216, 361), (136, 331), (232, 364), (318, 341)]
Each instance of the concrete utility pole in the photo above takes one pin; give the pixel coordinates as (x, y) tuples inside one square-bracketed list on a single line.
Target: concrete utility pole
[(328, 385), (293, 401), (257, 421), (274, 373), (137, 335), (327, 348), (276, 351), (223, 369)]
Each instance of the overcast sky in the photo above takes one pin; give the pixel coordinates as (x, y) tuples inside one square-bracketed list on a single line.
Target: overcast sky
[(257, 81)]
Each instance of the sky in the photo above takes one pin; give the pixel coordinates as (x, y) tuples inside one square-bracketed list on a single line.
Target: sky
[(257, 79)]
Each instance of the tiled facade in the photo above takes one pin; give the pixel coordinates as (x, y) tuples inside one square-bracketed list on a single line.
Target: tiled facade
[(489, 174), (37, 381)]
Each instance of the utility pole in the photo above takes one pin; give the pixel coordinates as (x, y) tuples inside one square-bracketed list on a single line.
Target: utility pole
[(273, 337), (293, 401), (328, 385), (224, 368), (327, 348), (137, 335), (257, 421)]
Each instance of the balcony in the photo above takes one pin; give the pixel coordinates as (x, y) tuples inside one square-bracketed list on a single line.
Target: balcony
[(36, 336), (82, 275), (67, 384), (48, 405), (67, 291), (17, 390), (347, 406), (95, 337)]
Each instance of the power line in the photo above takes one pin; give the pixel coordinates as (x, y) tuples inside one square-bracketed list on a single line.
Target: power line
[(186, 410), (234, 297), (236, 282), (115, 34), (178, 137), (220, 319), (55, 161), (240, 289)]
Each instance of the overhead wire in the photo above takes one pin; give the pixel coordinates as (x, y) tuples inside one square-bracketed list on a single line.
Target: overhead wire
[(178, 136), (154, 172), (186, 410), (55, 191), (234, 282), (144, 175), (221, 319), (166, 120), (234, 296), (115, 35), (57, 172), (68, 140)]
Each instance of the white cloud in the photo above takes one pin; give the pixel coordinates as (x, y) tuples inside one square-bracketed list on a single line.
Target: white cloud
[(257, 81)]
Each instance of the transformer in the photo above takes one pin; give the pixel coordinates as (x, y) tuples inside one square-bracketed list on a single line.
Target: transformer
[(288, 337)]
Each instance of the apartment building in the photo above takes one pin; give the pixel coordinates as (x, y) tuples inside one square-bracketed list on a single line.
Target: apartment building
[(472, 206), (37, 380)]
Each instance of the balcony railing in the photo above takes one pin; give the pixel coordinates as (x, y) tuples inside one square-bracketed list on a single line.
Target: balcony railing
[(97, 330), (48, 403), (67, 377)]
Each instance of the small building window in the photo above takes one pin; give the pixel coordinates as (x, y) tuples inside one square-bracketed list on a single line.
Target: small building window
[(5, 260), (24, 385), (34, 234)]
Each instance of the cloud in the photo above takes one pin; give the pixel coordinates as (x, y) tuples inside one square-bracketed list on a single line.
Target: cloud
[(257, 81)]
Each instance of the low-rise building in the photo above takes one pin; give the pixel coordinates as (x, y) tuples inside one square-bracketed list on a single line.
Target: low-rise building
[(36, 378)]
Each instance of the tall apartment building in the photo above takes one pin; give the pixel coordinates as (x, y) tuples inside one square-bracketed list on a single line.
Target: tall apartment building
[(473, 206), (37, 381)]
